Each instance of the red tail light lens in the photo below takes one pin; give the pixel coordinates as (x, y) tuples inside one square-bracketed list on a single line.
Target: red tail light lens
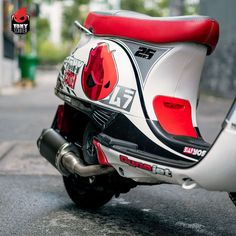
[(63, 117), (60, 115), (174, 116)]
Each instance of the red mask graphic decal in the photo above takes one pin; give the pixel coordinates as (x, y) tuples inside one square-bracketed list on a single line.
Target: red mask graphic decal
[(99, 76), (20, 16)]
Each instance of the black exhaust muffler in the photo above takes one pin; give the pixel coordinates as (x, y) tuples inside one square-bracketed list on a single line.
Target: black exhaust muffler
[(65, 156)]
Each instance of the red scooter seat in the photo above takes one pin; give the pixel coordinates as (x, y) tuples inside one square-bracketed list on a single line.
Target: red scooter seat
[(126, 24)]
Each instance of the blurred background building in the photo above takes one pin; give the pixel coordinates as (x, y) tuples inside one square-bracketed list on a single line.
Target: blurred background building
[(8, 41), (219, 75), (53, 34)]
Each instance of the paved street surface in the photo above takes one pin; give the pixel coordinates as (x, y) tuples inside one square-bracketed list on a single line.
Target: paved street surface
[(33, 200)]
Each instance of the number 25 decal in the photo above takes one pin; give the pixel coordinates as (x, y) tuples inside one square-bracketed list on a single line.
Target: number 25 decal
[(146, 53)]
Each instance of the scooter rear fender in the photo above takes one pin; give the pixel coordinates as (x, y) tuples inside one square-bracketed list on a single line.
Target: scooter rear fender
[(217, 171)]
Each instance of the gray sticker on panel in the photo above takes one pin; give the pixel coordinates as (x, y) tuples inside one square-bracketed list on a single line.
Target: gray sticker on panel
[(146, 55)]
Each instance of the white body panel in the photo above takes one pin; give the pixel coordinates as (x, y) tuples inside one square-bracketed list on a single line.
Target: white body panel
[(175, 74)]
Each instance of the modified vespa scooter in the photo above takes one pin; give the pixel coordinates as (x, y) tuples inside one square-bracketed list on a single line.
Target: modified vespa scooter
[(130, 90)]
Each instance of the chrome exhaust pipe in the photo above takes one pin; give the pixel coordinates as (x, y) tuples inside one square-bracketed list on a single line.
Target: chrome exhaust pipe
[(65, 156)]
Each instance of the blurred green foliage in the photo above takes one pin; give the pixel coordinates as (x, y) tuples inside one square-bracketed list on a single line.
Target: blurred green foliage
[(51, 54), (76, 11), (191, 9), (157, 7), (149, 7), (48, 53), (79, 8), (43, 29)]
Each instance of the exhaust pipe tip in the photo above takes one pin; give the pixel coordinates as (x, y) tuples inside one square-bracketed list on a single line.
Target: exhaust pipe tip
[(65, 157)]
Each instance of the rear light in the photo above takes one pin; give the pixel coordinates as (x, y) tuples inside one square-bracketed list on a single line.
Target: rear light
[(174, 116), (63, 119), (60, 115)]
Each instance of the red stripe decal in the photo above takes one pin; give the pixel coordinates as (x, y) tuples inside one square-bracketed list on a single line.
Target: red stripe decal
[(102, 159)]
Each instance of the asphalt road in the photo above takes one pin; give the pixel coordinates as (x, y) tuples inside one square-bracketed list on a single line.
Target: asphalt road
[(33, 200)]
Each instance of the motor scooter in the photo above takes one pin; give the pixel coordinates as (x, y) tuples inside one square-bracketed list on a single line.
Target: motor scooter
[(130, 92)]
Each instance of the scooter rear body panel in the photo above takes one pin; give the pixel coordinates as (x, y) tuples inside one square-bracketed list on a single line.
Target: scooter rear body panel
[(143, 97)]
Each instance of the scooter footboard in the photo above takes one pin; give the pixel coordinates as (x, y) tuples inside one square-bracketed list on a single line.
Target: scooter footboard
[(217, 171)]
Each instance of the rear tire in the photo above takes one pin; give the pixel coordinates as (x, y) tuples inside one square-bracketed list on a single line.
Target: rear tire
[(88, 193), (233, 197)]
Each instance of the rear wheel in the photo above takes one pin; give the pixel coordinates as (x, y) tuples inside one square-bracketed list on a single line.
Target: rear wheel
[(89, 193), (233, 197)]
